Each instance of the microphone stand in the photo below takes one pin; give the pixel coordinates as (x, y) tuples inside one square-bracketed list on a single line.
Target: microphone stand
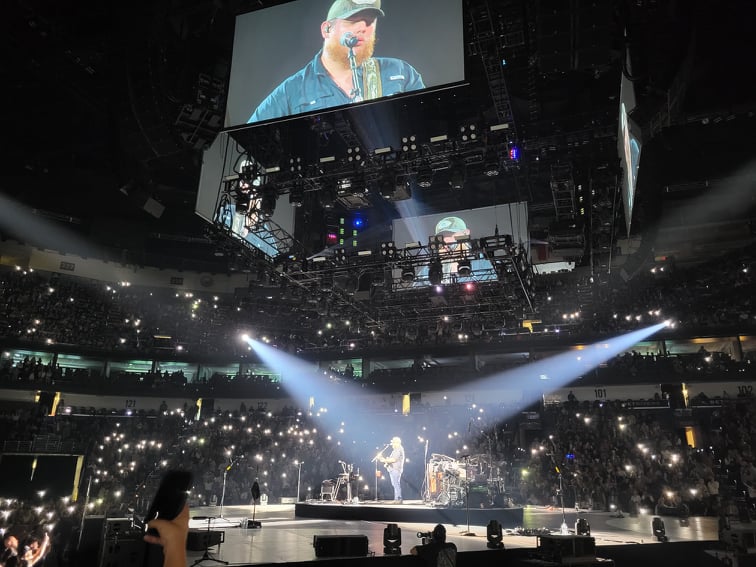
[(140, 504), (356, 93), (467, 496), (563, 529), (375, 460), (299, 478), (206, 555), (426, 492), (223, 492)]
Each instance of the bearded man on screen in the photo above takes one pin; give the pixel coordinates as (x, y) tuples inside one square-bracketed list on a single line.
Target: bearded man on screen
[(330, 80)]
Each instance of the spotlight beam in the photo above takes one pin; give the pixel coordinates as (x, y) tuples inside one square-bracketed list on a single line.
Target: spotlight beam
[(339, 405), (550, 374)]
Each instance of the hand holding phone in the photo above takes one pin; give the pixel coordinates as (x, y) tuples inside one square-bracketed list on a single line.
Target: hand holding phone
[(170, 497)]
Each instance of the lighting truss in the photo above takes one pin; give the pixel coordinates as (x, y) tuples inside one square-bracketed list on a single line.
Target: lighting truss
[(490, 296)]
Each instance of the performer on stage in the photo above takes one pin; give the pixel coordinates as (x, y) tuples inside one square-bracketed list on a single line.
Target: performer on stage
[(395, 465)]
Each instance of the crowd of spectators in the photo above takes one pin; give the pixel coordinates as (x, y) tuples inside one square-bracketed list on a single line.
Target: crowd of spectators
[(615, 459), (712, 295), (629, 368), (611, 458), (40, 309), (596, 456), (600, 456)]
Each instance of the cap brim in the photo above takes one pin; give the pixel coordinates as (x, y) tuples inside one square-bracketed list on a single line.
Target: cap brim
[(351, 13)]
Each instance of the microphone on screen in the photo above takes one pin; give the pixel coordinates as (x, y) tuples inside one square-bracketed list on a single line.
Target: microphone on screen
[(349, 40)]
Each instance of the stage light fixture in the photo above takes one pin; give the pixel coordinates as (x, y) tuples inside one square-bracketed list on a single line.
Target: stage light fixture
[(435, 272), (408, 273), (424, 177), (468, 133), (582, 527), (392, 540), (409, 144), (496, 242), (494, 535), (386, 186), (296, 196), (249, 172), (491, 166), (457, 174), (464, 268), (327, 197), (242, 205), (388, 250), (353, 155), (295, 164), (658, 529), (435, 242), (268, 200)]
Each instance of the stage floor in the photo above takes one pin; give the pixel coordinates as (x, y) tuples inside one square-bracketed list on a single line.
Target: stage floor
[(285, 537)]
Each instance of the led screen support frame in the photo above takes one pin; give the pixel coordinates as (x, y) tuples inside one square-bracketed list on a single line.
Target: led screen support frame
[(629, 144), (221, 165)]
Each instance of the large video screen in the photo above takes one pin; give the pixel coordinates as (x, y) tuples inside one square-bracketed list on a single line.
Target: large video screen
[(461, 231), (629, 147), (310, 55)]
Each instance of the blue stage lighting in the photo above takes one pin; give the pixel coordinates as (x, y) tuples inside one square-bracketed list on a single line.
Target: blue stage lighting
[(557, 371)]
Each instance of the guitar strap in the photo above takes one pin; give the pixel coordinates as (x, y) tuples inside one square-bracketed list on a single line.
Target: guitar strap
[(371, 75)]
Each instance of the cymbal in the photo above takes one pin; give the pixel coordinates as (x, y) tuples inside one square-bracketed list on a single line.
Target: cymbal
[(440, 457)]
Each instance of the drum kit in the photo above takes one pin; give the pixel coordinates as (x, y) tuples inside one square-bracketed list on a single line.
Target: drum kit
[(449, 480)]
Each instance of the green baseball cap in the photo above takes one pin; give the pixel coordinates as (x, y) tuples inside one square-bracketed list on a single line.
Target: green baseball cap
[(342, 9), (450, 224)]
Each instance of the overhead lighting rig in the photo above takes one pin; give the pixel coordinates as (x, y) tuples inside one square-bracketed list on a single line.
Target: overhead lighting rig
[(394, 286), (352, 169)]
